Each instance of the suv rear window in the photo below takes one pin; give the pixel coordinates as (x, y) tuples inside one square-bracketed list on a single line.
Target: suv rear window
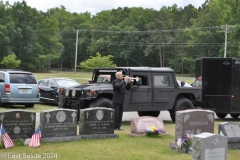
[(2, 77), (24, 78)]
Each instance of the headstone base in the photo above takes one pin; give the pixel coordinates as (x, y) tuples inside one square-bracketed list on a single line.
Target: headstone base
[(144, 134), (79, 137), (173, 146), (233, 144)]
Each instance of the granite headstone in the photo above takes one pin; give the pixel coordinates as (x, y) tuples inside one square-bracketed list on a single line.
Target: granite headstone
[(58, 123), (97, 120), (18, 123), (139, 124), (208, 146), (232, 131), (193, 121)]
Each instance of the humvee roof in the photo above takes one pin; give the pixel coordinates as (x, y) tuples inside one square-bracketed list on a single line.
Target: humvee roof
[(149, 69)]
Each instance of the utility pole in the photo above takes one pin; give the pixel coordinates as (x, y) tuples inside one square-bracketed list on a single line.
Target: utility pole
[(76, 52), (225, 46)]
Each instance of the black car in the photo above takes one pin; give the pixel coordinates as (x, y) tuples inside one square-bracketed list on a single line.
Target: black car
[(49, 88)]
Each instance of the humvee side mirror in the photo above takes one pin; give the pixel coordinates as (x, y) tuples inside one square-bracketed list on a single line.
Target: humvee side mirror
[(139, 82), (90, 81), (182, 83)]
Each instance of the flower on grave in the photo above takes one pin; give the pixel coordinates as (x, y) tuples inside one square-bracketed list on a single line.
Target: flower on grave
[(185, 141), (152, 131)]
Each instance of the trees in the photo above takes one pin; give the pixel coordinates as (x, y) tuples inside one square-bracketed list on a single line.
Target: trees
[(97, 62), (168, 37), (11, 61)]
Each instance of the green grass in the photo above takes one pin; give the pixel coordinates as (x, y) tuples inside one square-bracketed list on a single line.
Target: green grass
[(78, 76)]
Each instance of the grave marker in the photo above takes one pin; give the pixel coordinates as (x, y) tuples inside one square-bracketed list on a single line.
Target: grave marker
[(232, 131), (193, 121), (139, 124), (97, 120), (208, 146), (58, 123), (18, 123)]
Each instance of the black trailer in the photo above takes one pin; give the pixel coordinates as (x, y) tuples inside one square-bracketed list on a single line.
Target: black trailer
[(220, 82)]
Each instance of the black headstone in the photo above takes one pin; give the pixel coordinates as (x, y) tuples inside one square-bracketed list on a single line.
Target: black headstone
[(97, 120), (18, 123), (58, 123)]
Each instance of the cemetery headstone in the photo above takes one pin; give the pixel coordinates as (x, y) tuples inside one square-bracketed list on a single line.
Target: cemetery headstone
[(232, 131), (208, 146), (193, 121), (58, 123), (18, 123), (139, 124), (97, 120)]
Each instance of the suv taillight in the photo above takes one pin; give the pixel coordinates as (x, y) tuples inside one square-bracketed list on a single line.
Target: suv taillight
[(38, 89), (7, 88)]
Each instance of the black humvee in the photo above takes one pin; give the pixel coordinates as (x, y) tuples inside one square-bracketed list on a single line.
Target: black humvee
[(220, 82), (152, 90)]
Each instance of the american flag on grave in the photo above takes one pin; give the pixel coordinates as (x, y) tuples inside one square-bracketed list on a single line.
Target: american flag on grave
[(7, 141), (35, 140)]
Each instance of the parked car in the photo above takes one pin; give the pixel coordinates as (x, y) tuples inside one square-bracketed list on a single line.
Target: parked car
[(49, 88), (185, 85), (18, 87)]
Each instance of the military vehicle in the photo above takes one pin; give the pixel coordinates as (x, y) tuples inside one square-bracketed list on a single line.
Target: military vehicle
[(219, 79), (153, 89)]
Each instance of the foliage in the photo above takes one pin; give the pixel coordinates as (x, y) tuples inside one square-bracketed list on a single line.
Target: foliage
[(98, 61), (20, 142), (185, 141), (169, 37), (10, 61), (152, 131), (1, 145)]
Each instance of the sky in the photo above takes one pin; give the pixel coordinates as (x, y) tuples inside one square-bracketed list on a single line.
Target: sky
[(96, 6)]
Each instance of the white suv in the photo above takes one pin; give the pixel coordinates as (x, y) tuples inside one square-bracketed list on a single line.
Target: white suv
[(18, 87)]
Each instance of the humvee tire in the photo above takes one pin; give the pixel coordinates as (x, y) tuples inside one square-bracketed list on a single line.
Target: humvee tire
[(221, 115), (180, 105), (101, 102), (234, 115), (148, 113)]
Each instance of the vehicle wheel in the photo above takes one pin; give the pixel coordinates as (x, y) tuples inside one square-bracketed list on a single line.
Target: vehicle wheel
[(30, 105), (149, 113), (221, 115), (234, 115), (101, 102), (180, 105)]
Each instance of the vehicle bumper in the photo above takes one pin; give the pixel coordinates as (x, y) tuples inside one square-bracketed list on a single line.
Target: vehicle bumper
[(8, 99)]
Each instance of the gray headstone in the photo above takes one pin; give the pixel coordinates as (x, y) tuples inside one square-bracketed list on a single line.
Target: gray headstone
[(139, 124), (18, 123), (229, 129), (194, 121), (58, 123), (208, 146), (97, 120), (232, 131)]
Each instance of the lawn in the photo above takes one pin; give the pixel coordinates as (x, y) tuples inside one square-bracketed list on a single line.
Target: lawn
[(126, 147)]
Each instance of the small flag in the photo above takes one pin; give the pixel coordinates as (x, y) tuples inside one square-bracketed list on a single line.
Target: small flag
[(6, 139), (35, 140)]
